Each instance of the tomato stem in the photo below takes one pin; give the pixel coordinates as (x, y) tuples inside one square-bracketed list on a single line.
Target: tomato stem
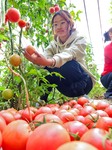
[(26, 91)]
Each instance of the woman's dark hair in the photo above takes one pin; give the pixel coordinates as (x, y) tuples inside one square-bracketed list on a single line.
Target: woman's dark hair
[(106, 35)]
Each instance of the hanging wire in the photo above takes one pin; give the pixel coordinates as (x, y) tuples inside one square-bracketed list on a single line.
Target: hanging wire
[(87, 20), (98, 4)]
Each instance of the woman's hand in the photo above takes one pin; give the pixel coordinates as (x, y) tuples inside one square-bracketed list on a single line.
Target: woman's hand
[(38, 59)]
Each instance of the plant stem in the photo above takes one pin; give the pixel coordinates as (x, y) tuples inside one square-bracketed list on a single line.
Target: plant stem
[(26, 91)]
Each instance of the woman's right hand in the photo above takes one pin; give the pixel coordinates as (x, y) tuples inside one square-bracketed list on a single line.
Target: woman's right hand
[(38, 59)]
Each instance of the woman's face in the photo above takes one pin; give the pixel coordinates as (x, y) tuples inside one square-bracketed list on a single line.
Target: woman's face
[(61, 28)]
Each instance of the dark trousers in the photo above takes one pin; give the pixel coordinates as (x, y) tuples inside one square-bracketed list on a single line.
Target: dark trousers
[(75, 81), (106, 81)]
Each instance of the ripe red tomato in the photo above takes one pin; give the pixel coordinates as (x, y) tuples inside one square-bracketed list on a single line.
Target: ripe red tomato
[(102, 105), (27, 115), (47, 118), (47, 136), (8, 116), (0, 139), (86, 110), (66, 116), (2, 123), (15, 135), (80, 118), (108, 110), (43, 109), (82, 100), (65, 106), (52, 10), (104, 123), (91, 119), (77, 128), (96, 137), (21, 23), (102, 113), (72, 102), (78, 106), (57, 8), (13, 15), (76, 145)]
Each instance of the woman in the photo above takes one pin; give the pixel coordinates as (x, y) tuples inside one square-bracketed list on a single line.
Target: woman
[(106, 75), (65, 55)]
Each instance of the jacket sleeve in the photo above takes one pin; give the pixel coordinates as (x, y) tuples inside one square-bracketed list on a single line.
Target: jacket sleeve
[(74, 50)]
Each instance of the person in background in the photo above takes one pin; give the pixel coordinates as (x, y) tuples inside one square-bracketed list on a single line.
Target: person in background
[(65, 55), (106, 75)]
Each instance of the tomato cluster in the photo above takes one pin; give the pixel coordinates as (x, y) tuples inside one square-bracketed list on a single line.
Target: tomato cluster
[(13, 15), (54, 9), (76, 124)]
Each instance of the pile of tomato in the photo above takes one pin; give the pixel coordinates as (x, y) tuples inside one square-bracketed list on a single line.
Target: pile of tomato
[(76, 124)]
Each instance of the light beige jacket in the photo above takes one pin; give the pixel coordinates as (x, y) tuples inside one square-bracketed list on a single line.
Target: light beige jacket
[(73, 48)]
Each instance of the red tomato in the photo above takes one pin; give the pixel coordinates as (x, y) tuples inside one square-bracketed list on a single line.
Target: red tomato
[(91, 119), (57, 8), (52, 10), (74, 111), (75, 128), (102, 105), (13, 15), (47, 118), (54, 109), (104, 123), (65, 106), (76, 145), (17, 116), (72, 102), (2, 123), (86, 110), (21, 23), (80, 118), (101, 113), (27, 114), (8, 116), (66, 116), (82, 100), (108, 110), (78, 106), (43, 109), (53, 105), (0, 139), (96, 137), (47, 136), (15, 135)]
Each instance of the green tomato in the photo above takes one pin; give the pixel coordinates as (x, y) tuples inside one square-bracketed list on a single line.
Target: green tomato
[(7, 94)]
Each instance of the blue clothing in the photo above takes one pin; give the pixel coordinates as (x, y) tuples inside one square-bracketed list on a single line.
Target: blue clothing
[(76, 81)]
